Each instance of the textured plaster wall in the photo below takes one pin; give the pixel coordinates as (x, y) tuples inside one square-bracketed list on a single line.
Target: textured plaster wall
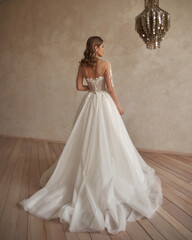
[(41, 42)]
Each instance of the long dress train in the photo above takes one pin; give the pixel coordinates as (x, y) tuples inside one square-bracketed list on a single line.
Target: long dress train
[(100, 180)]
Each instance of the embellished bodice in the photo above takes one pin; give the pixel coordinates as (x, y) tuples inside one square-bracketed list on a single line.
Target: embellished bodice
[(96, 84)]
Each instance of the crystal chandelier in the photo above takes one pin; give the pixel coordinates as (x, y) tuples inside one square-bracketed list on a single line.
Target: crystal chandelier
[(152, 24)]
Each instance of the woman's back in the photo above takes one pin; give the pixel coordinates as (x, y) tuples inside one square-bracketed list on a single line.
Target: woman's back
[(97, 71)]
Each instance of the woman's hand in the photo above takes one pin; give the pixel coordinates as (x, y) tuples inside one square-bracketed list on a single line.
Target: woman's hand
[(121, 111)]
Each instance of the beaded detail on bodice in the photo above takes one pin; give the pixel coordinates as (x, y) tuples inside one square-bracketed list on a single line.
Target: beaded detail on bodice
[(96, 84)]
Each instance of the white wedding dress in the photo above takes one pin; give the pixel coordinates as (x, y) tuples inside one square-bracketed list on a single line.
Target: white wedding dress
[(100, 180)]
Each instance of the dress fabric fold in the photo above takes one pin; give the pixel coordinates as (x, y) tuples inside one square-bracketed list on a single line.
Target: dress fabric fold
[(100, 180)]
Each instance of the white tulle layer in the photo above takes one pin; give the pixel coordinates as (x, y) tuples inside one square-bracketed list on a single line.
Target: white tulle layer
[(100, 180)]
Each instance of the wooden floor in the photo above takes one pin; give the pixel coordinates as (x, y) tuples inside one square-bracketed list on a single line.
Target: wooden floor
[(22, 161)]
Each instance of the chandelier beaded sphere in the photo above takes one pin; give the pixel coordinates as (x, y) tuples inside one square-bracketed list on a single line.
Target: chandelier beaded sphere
[(152, 24)]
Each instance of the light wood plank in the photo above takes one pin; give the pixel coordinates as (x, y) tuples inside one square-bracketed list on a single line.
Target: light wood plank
[(54, 229), (52, 153), (176, 192), (36, 226), (175, 179), (185, 159), (21, 232), (5, 153), (174, 185), (8, 173), (177, 213), (48, 154), (136, 232), (100, 235), (175, 223), (150, 229), (174, 161), (123, 235), (186, 207), (171, 167), (10, 211), (166, 229)]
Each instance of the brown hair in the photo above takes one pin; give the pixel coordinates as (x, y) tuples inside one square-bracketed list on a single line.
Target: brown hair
[(90, 53)]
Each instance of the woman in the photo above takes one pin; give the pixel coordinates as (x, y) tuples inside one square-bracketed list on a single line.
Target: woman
[(100, 180)]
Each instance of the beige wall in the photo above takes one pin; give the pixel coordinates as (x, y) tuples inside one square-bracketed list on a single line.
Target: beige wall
[(41, 43)]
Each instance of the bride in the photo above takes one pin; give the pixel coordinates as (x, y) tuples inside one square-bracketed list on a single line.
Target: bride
[(100, 180)]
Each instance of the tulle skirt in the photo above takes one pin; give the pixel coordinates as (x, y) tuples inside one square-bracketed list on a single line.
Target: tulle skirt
[(100, 180)]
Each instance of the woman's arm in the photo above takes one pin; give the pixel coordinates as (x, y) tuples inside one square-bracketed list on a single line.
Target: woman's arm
[(79, 80), (111, 88), (109, 83)]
